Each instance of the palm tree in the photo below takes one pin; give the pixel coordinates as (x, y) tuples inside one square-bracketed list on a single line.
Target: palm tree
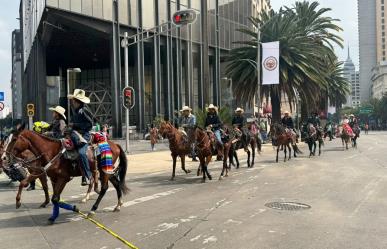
[(306, 43)]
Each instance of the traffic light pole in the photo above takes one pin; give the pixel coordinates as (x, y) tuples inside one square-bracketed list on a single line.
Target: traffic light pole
[(126, 85)]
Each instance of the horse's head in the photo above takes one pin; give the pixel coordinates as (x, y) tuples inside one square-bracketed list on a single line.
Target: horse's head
[(165, 128), (15, 144)]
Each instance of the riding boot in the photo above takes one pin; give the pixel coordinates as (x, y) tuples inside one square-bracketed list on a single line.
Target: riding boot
[(220, 153), (32, 186)]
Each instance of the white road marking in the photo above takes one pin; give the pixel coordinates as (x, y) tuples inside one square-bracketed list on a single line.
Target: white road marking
[(195, 238), (146, 198), (231, 221), (210, 239)]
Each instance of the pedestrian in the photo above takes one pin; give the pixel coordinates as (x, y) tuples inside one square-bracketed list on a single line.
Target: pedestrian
[(188, 123), (81, 124), (263, 130), (366, 128), (153, 132)]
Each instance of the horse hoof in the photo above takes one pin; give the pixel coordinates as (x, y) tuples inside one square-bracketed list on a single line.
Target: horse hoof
[(90, 214), (188, 171), (44, 205), (210, 178), (172, 179), (18, 204), (50, 221), (117, 209)]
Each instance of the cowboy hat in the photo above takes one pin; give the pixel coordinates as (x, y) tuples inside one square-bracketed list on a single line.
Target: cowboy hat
[(80, 95), (186, 108), (58, 109), (286, 112), (239, 110), (211, 106), (351, 115)]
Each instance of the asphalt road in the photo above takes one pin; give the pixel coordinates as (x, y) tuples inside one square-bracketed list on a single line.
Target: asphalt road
[(346, 191)]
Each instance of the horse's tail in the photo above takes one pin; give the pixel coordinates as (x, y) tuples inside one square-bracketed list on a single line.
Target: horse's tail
[(296, 149), (122, 171)]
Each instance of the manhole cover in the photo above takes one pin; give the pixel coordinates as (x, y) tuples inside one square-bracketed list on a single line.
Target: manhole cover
[(289, 206)]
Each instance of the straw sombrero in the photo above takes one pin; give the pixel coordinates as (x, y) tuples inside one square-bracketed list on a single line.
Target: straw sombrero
[(286, 112), (212, 107), (185, 108), (80, 95), (239, 110), (60, 110)]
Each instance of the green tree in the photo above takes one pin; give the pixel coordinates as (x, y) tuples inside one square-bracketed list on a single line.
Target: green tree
[(306, 37)]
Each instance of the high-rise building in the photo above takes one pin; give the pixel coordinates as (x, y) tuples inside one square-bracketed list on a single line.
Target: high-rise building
[(350, 73), (178, 66), (16, 77), (368, 36)]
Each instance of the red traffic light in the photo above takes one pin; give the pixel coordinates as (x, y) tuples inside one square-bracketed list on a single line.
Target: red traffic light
[(184, 17), (128, 93)]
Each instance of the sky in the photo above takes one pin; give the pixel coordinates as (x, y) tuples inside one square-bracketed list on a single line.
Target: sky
[(346, 11)]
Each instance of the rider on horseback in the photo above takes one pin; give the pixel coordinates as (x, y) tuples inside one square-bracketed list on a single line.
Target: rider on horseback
[(213, 122), (314, 120), (58, 124), (81, 124), (239, 122), (287, 121), (188, 123)]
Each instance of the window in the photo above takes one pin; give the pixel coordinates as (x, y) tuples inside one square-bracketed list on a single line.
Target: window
[(382, 1), (383, 34), (383, 20), (148, 14)]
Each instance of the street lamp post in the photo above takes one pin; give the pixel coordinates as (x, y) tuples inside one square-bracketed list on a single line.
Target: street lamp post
[(70, 70), (258, 63)]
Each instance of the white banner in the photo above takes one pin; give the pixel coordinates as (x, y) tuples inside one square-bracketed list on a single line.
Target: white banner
[(270, 63)]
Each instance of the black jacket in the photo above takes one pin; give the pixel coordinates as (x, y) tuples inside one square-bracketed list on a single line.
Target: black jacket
[(288, 122), (240, 121), (82, 121), (213, 119)]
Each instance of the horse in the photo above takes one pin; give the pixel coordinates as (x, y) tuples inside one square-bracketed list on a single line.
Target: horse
[(284, 139), (28, 161), (246, 139), (204, 151), (61, 170), (344, 135), (178, 145), (314, 134), (206, 144), (356, 132)]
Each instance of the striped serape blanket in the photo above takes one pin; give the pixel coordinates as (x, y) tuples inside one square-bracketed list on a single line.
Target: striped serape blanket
[(106, 162)]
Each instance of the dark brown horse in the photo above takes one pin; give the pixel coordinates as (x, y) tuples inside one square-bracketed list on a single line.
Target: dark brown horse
[(285, 139), (61, 170), (204, 151), (246, 140), (178, 144)]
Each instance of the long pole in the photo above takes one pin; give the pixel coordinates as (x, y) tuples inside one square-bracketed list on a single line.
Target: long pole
[(258, 69), (68, 92), (126, 85)]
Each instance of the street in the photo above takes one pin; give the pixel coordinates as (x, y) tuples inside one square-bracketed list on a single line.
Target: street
[(345, 191)]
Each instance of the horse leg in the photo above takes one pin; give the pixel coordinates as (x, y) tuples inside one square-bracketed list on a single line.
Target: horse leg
[(43, 181), (236, 159), (22, 185), (173, 167), (310, 146), (314, 147), (204, 169), (183, 165), (96, 179), (285, 152), (58, 187), (253, 147), (114, 180), (248, 157), (208, 160), (319, 147), (290, 151), (89, 188), (104, 188), (276, 159)]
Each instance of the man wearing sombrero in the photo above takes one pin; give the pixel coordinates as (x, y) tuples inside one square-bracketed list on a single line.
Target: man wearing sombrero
[(81, 124), (188, 123), (239, 121), (213, 122)]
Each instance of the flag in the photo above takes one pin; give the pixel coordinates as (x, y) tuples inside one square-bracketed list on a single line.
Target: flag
[(270, 63)]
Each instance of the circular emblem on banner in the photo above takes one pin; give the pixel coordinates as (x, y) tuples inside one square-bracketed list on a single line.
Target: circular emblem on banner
[(270, 63)]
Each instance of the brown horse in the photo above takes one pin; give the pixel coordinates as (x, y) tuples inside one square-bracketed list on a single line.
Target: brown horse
[(61, 170), (345, 136), (31, 163), (204, 151), (284, 139), (179, 146)]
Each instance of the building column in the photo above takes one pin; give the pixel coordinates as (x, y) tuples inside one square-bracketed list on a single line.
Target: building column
[(217, 57), (205, 67)]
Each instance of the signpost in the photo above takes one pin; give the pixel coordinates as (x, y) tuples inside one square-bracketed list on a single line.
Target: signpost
[(30, 114), (366, 110)]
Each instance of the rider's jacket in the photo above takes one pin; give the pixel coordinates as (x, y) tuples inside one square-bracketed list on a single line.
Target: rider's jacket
[(213, 119), (188, 122), (238, 121), (315, 121), (82, 121), (58, 127), (288, 122)]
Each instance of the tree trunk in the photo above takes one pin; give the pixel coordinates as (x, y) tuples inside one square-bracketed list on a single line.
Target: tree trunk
[(275, 106)]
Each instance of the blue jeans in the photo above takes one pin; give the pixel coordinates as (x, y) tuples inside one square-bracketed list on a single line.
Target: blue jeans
[(218, 136), (82, 150)]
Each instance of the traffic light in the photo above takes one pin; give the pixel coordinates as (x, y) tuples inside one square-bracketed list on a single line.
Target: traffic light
[(184, 17), (128, 97), (30, 110)]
